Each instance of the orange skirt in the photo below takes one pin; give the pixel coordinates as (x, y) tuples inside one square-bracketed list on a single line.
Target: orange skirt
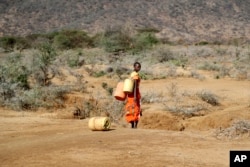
[(133, 109)]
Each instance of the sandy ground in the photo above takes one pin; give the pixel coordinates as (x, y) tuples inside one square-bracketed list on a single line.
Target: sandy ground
[(40, 139), (36, 141)]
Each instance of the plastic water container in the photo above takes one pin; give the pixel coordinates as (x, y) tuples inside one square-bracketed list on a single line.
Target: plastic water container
[(128, 86), (99, 123), (119, 94)]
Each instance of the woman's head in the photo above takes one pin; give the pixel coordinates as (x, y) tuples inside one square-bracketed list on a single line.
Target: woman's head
[(137, 66)]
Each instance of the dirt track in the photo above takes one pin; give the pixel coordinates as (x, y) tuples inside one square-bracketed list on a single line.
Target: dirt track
[(36, 141)]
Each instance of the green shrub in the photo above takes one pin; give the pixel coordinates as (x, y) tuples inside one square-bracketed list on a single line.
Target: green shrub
[(99, 74), (70, 39), (148, 30), (42, 64), (143, 41), (62, 42), (22, 43), (202, 43), (114, 41), (7, 43), (73, 60), (13, 80), (14, 72)]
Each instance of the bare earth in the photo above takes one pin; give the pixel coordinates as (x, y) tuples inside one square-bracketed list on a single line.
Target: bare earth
[(41, 139)]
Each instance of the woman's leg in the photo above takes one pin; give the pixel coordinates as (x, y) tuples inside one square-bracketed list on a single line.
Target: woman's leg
[(132, 124), (136, 122)]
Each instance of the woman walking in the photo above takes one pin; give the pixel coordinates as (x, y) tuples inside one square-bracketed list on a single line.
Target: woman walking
[(133, 106)]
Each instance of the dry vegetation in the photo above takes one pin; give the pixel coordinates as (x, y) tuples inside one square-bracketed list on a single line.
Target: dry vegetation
[(82, 80)]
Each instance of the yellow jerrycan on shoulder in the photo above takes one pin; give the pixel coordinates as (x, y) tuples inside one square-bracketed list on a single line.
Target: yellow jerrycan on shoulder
[(128, 85)]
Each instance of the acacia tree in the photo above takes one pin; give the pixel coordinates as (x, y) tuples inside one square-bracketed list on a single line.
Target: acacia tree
[(42, 64)]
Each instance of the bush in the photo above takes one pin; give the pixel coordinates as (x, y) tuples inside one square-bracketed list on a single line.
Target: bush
[(7, 92), (13, 80), (70, 39), (143, 41), (208, 97), (22, 43), (209, 66), (239, 128), (114, 41), (8, 43), (36, 40), (202, 43), (164, 54), (51, 96), (14, 72), (153, 97), (73, 60), (62, 42), (98, 74), (107, 88), (187, 111), (42, 65)]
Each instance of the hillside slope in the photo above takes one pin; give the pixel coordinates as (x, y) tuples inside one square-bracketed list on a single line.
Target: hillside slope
[(189, 20)]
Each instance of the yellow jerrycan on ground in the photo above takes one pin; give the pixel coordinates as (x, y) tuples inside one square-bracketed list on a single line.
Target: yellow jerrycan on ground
[(99, 123)]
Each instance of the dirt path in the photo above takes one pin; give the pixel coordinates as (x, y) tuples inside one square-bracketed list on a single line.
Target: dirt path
[(36, 141)]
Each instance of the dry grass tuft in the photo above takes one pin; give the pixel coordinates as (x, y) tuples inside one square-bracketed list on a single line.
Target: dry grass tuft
[(238, 129)]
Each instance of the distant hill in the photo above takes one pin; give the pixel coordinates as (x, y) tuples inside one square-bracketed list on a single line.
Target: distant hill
[(182, 20)]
